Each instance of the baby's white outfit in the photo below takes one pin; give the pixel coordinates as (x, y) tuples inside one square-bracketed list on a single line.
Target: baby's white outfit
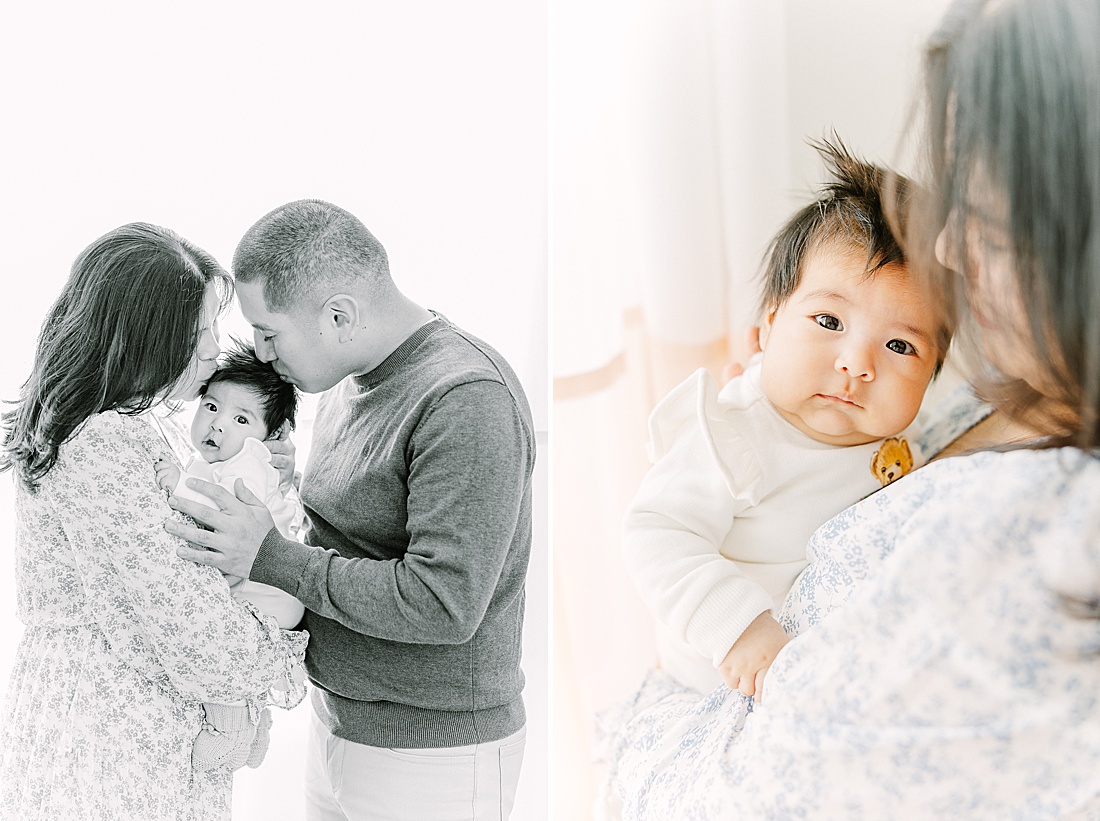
[(718, 530), (253, 465)]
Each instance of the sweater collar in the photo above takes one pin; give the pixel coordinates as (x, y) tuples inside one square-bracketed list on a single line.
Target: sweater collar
[(401, 353)]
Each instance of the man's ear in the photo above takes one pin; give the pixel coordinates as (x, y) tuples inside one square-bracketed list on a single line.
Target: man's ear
[(766, 326), (341, 315)]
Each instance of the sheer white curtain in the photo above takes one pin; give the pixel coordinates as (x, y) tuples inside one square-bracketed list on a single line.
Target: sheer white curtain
[(668, 161), (668, 174), (677, 149)]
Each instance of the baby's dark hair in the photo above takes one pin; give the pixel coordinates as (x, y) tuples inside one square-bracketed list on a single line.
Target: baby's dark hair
[(240, 366), (851, 210)]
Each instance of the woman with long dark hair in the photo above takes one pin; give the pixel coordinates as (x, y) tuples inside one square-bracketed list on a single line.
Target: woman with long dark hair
[(123, 640)]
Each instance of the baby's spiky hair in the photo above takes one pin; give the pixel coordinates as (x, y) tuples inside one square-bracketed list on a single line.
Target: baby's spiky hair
[(240, 366), (853, 208)]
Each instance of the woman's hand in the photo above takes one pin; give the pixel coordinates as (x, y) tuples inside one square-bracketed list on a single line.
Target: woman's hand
[(747, 662), (282, 456)]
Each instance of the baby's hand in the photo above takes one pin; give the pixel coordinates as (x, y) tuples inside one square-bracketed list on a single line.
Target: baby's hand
[(168, 473), (747, 662)]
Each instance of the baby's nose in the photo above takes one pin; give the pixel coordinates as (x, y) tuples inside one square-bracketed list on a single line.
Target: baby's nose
[(856, 364)]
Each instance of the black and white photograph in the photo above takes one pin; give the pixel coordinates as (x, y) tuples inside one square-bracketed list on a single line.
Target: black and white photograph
[(380, 170)]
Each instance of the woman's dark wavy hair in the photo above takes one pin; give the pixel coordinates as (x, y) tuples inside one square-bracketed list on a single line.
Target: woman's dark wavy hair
[(861, 206), (240, 366), (119, 337), (1013, 113)]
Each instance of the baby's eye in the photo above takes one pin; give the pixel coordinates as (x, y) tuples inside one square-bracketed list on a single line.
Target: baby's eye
[(267, 337), (901, 346), (210, 406), (242, 420), (829, 322)]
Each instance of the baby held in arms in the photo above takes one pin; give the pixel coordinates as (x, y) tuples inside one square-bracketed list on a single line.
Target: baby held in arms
[(242, 404), (743, 475)]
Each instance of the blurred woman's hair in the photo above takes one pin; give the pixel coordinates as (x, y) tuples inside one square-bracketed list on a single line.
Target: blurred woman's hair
[(119, 337), (1013, 149)]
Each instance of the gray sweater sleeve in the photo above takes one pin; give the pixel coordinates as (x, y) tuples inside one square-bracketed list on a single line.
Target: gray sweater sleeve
[(469, 459)]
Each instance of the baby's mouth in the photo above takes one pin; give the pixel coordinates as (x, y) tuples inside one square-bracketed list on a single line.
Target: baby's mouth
[(210, 443), (840, 398)]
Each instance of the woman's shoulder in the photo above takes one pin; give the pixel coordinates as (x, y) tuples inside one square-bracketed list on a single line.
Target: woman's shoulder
[(1003, 483), (111, 423), (1022, 462), (987, 489), (944, 420), (110, 434)]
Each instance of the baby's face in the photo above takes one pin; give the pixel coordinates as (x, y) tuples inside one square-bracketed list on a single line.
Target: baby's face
[(227, 415), (847, 358)]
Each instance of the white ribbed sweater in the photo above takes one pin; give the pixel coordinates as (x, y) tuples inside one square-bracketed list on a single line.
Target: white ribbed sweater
[(718, 530)]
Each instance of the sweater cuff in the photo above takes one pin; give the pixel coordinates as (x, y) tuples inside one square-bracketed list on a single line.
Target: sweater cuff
[(723, 616), (280, 562)]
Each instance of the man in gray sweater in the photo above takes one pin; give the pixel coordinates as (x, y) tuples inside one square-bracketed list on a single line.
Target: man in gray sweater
[(418, 496)]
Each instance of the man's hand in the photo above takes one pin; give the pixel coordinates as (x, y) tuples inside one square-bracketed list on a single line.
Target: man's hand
[(747, 662), (237, 527), (282, 456)]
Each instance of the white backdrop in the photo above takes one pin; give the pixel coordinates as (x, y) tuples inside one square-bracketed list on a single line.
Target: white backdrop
[(425, 118)]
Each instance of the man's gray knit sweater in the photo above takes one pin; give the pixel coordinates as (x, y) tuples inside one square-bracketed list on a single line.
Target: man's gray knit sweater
[(418, 495)]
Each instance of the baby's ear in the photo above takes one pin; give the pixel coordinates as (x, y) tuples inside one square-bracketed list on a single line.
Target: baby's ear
[(766, 326)]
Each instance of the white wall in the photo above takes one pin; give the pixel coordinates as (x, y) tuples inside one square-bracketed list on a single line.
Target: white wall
[(854, 65), (425, 118)]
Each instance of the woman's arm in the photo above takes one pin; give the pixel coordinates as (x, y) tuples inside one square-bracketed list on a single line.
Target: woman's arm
[(171, 619)]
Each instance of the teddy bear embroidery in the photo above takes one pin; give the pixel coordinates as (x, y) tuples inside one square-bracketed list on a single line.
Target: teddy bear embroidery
[(892, 460)]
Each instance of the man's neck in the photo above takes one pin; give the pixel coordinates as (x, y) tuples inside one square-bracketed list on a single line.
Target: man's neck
[(397, 323)]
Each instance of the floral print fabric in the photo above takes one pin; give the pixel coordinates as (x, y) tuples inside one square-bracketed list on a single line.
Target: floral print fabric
[(945, 665), (123, 640)]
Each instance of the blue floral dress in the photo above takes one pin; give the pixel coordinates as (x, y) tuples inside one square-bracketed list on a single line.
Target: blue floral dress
[(123, 640), (945, 665)]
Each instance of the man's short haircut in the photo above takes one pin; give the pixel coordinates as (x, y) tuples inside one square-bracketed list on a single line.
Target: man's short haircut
[(851, 210), (304, 244), (240, 366)]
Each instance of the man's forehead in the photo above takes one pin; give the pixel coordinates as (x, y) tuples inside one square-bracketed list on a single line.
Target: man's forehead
[(250, 296)]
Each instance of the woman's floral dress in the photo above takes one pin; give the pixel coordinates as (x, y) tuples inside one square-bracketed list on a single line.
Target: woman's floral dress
[(945, 665), (123, 640)]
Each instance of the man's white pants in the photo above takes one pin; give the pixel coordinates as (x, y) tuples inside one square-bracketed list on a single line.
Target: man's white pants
[(346, 781)]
